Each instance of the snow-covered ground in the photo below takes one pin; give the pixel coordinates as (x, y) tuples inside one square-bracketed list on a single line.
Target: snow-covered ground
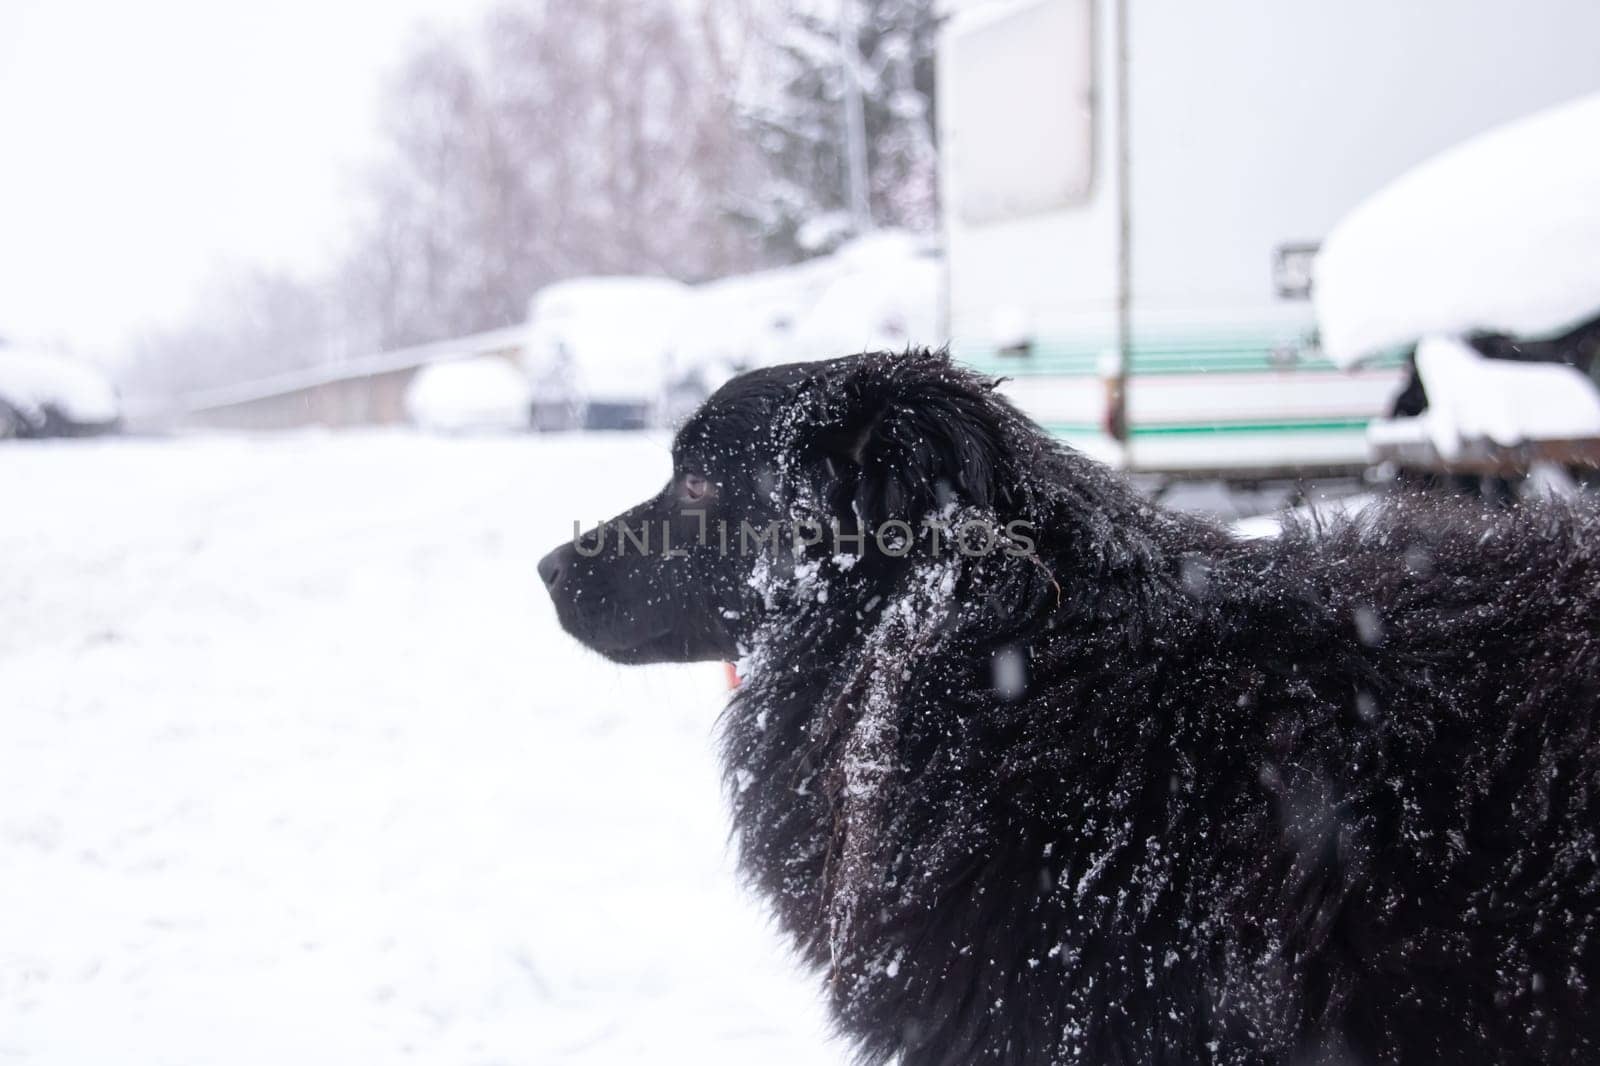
[(298, 768)]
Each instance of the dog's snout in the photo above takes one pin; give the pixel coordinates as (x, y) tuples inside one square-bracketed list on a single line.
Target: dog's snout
[(554, 565)]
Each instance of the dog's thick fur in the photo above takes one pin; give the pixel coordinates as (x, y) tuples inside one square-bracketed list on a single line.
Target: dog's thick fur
[(1150, 794)]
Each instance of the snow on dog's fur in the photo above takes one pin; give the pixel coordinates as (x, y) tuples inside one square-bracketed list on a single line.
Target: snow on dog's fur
[(1143, 793)]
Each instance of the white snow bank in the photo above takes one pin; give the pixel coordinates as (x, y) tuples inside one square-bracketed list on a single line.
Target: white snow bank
[(1500, 233), (32, 381), (1473, 398), (486, 392)]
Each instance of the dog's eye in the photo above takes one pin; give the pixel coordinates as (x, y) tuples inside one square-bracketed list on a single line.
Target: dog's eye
[(695, 487)]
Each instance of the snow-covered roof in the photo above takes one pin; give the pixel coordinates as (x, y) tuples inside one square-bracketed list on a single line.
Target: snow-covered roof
[(1501, 233), (509, 338)]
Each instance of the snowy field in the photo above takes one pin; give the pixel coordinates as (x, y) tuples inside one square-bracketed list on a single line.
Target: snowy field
[(299, 769)]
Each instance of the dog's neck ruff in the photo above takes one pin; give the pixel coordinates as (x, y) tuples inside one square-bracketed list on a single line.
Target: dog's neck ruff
[(853, 732), (909, 628)]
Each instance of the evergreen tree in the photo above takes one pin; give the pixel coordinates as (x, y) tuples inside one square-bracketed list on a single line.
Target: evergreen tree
[(795, 116)]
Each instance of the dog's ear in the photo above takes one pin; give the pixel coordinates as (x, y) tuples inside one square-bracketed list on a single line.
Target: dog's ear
[(908, 434)]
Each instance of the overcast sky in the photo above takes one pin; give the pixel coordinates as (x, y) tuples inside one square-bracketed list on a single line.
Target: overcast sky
[(144, 144)]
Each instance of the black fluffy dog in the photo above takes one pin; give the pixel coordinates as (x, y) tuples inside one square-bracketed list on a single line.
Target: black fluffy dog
[(1104, 784)]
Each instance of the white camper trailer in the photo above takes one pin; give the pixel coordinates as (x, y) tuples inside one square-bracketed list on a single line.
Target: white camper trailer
[(1134, 191)]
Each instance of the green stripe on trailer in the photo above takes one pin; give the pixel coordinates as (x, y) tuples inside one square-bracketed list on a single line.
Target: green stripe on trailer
[(1078, 360), (1330, 425)]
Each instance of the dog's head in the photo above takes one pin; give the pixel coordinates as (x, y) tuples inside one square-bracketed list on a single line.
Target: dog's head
[(785, 473)]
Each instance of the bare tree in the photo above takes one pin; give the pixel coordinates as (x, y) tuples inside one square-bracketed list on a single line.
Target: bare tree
[(414, 273), (575, 136), (567, 137), (249, 323)]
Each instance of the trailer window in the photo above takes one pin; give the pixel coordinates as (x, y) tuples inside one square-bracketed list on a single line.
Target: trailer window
[(1019, 107)]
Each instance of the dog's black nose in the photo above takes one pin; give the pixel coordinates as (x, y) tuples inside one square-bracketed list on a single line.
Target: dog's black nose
[(552, 566)]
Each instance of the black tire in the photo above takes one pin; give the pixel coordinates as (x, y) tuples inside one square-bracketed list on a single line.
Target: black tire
[(11, 424)]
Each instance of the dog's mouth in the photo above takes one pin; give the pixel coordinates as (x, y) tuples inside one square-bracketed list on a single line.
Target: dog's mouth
[(623, 644), (663, 647), (664, 644), (635, 615)]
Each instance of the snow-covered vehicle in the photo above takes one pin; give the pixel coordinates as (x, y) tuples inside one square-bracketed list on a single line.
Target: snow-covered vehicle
[(1482, 267), (43, 395), (1134, 193), (486, 393), (884, 296), (736, 323), (880, 291), (599, 351)]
